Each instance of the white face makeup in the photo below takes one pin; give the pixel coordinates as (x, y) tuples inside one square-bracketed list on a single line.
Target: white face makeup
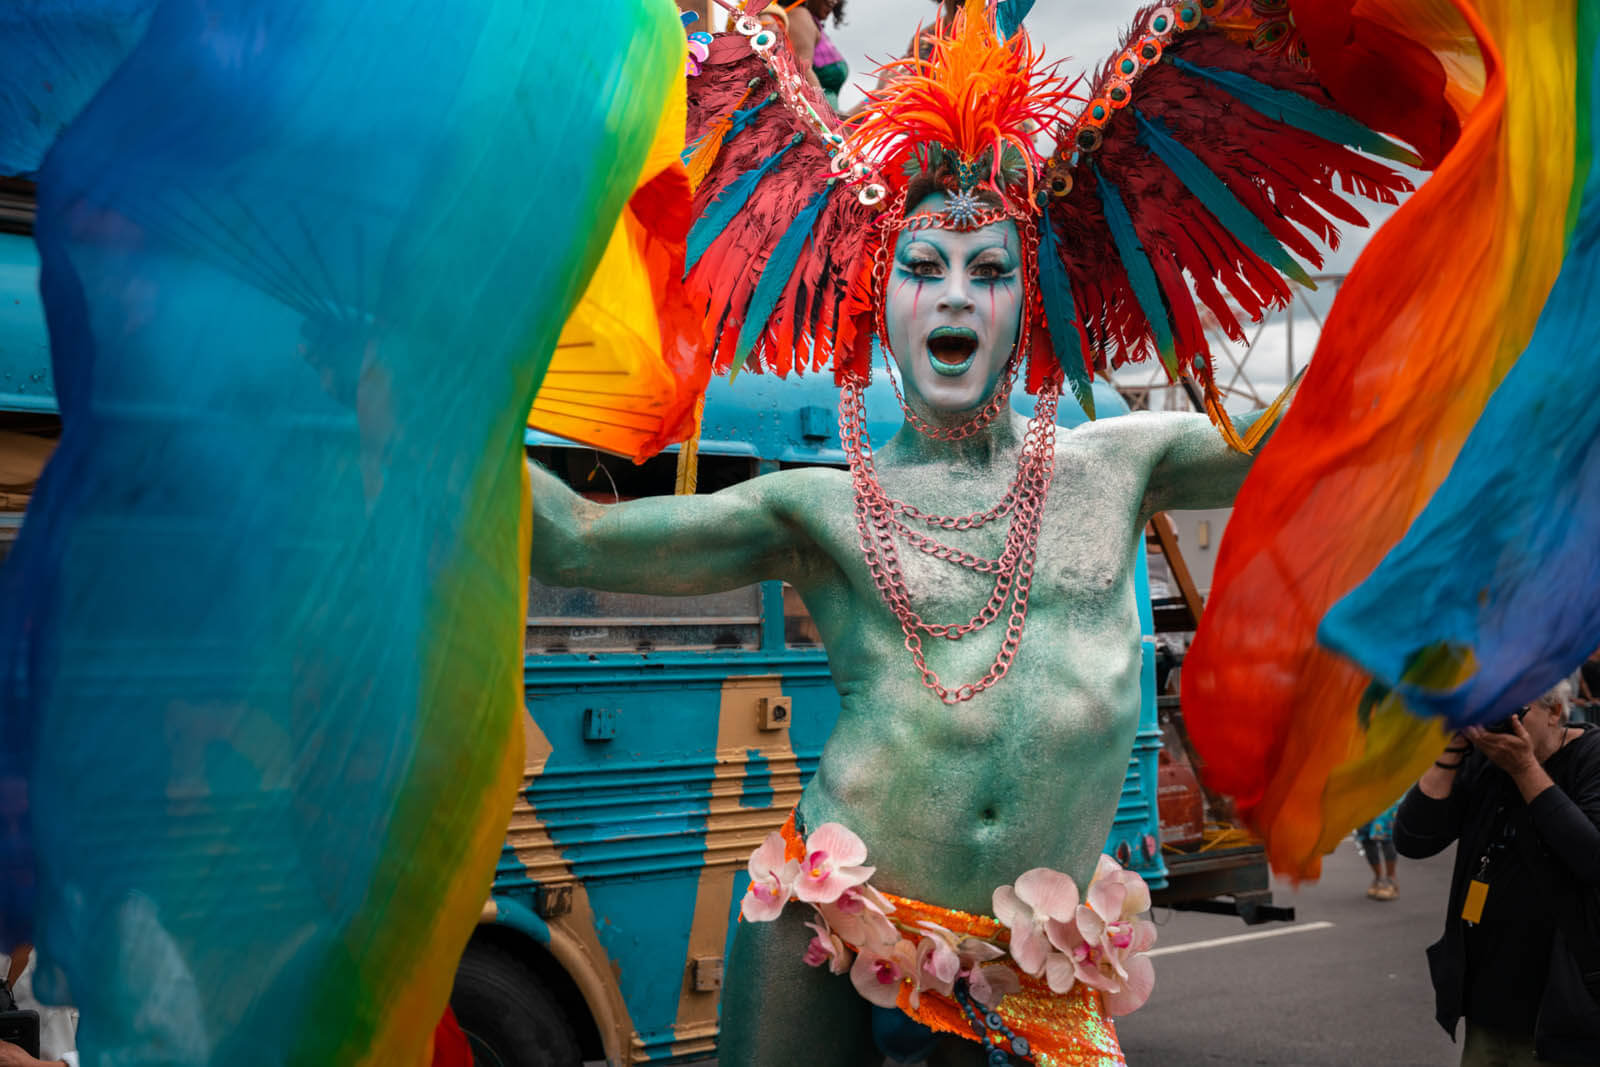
[(952, 305)]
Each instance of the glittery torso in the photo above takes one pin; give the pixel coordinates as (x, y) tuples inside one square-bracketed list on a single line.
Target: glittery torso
[(951, 800), (955, 800)]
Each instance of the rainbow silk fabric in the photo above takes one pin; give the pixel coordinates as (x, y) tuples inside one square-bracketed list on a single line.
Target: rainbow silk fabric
[(1417, 547), (304, 264)]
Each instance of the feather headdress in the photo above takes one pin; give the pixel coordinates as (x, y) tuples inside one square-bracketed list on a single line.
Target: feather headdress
[(1201, 167), (973, 104)]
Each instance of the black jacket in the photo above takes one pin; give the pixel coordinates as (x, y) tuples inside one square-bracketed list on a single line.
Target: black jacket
[(1543, 863)]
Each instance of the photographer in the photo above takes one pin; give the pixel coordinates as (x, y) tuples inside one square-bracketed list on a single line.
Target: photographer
[(1520, 955), (57, 1027)]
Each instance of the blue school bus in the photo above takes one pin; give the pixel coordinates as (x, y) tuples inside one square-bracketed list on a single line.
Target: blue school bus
[(665, 738)]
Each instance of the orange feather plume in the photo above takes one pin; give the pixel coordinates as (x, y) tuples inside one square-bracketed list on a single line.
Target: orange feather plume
[(973, 94)]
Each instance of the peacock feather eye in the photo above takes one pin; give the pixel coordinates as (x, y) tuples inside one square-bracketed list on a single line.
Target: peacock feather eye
[(1089, 139), (1270, 34), (1060, 185), (1119, 93), (1149, 51)]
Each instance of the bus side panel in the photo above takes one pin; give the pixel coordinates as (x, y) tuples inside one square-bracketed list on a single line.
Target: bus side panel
[(658, 784)]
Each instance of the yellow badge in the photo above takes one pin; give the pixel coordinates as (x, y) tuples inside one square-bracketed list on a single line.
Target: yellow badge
[(1472, 908)]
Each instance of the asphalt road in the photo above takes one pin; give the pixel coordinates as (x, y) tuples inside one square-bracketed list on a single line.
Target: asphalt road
[(1345, 983)]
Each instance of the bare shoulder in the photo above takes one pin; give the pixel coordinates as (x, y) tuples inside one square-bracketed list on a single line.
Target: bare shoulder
[(1137, 435), (803, 490)]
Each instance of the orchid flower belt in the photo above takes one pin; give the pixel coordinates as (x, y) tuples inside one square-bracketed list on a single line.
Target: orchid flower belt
[(1036, 983)]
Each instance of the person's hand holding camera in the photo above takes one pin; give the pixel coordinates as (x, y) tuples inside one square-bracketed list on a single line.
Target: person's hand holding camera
[(1511, 747), (1511, 751), (13, 1056)]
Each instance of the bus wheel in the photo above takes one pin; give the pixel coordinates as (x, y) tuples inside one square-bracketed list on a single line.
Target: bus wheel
[(508, 1015)]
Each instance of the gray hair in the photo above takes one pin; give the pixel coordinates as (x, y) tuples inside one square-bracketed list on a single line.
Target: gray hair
[(1558, 697)]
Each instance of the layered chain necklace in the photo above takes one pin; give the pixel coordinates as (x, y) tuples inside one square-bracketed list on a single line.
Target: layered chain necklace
[(884, 523)]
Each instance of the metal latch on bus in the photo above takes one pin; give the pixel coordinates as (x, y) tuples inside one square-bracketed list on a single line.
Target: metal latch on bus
[(552, 901), (774, 712), (707, 973), (599, 724)]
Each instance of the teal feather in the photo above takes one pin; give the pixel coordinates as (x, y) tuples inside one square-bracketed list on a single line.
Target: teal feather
[(775, 276), (1218, 198), (1061, 316), (1141, 275), (1009, 14), (736, 124), (709, 226), (745, 116), (1292, 109)]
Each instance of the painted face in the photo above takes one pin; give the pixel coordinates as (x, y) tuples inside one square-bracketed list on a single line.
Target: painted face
[(952, 305)]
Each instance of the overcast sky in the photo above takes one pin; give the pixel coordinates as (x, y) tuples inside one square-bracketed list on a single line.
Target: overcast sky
[(1082, 32)]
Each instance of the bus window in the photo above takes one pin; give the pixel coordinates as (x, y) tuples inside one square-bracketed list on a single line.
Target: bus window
[(608, 479), (585, 620), (799, 630)]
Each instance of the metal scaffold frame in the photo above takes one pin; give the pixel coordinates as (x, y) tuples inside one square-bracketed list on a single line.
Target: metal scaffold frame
[(1242, 375)]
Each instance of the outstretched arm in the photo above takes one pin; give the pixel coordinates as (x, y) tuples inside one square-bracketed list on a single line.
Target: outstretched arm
[(1193, 467), (670, 546)]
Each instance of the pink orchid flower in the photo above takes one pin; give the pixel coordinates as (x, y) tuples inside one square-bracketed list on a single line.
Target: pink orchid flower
[(1105, 942), (969, 951), (831, 864), (989, 982), (945, 956), (1040, 896), (878, 976), (937, 968), (827, 948), (861, 917), (772, 881)]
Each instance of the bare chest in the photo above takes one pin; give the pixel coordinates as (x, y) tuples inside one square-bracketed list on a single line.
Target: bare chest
[(1080, 556)]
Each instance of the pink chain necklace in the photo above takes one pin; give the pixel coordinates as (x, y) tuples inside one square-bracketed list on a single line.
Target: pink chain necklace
[(880, 524)]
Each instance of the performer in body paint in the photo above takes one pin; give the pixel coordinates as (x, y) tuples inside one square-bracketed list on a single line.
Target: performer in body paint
[(972, 580)]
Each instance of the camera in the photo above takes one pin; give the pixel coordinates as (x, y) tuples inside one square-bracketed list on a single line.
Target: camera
[(1504, 725), (18, 1027)]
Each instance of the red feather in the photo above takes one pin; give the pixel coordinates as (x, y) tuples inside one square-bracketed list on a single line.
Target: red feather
[(1293, 182), (802, 327)]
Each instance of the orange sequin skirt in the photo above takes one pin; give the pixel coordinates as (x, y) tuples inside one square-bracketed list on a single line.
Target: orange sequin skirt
[(1068, 1029)]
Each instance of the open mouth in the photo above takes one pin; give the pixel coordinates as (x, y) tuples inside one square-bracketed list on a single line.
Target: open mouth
[(951, 348)]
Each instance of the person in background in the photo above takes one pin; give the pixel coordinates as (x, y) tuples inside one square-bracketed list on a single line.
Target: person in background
[(1377, 844), (58, 1027), (946, 15), (1587, 702), (802, 21), (1519, 958), (827, 62)]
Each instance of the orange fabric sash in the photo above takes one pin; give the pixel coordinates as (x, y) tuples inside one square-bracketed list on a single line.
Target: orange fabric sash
[(1068, 1029)]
